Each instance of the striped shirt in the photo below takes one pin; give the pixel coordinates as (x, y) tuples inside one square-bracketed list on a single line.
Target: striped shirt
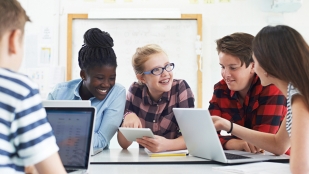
[(26, 137), (291, 92), (158, 115)]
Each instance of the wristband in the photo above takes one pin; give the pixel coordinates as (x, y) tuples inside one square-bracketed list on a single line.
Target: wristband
[(231, 128)]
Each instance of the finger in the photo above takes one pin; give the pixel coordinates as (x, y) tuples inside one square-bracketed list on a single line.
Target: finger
[(252, 148), (135, 125), (131, 125), (139, 124), (257, 149), (246, 147), (144, 144)]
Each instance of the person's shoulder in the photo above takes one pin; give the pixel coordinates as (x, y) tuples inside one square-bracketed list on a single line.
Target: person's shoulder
[(271, 90), (180, 83), (118, 89), (136, 86), (292, 90), (221, 85), (119, 86), (68, 84), (17, 82)]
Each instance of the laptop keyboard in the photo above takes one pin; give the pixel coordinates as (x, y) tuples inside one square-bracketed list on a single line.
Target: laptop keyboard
[(234, 156)]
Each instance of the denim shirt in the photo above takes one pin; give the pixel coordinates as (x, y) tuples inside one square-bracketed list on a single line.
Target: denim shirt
[(109, 111)]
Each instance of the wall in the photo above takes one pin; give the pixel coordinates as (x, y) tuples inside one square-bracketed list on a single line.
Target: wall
[(219, 19)]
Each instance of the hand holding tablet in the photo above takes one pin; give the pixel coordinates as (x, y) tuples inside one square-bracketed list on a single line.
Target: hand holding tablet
[(131, 134)]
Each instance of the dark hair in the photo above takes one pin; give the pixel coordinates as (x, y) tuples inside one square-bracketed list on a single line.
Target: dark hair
[(237, 44), (97, 50), (12, 16), (283, 53)]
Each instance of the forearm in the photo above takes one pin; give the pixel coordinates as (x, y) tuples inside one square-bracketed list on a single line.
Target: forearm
[(123, 142), (267, 141), (176, 144), (50, 165)]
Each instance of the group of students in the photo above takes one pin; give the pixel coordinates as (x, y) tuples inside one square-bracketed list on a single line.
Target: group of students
[(263, 91)]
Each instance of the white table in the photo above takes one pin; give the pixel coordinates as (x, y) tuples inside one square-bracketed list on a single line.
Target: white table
[(139, 156), (136, 161), (153, 169)]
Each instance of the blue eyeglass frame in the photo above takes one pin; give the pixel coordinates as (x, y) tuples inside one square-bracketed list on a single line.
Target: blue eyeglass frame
[(163, 68)]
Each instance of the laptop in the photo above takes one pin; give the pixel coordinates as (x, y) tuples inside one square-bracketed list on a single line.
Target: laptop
[(71, 103), (66, 103), (73, 129), (202, 139)]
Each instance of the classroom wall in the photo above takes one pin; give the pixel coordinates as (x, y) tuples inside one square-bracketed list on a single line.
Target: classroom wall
[(219, 19)]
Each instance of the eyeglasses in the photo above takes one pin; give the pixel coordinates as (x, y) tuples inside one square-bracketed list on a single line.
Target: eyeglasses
[(158, 71)]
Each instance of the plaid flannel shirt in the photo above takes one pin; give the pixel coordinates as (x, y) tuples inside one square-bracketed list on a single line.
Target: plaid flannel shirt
[(263, 108), (158, 115)]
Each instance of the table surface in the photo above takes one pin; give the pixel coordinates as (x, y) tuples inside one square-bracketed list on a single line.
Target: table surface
[(136, 161), (139, 156)]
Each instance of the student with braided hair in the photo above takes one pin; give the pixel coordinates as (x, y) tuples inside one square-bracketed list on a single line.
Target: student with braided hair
[(97, 61)]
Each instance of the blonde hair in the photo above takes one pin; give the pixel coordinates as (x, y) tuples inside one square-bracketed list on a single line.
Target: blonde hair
[(142, 55)]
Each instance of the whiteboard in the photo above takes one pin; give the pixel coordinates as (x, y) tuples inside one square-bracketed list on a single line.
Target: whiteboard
[(176, 37)]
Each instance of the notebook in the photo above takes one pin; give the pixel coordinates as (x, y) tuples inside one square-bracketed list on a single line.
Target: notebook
[(73, 129), (167, 153), (202, 139)]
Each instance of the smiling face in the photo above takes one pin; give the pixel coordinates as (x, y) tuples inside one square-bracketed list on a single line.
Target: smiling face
[(159, 84), (98, 81), (237, 77)]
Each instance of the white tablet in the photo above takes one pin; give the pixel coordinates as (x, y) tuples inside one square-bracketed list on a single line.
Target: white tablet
[(132, 133)]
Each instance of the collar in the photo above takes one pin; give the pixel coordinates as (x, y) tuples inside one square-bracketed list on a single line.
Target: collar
[(76, 90)]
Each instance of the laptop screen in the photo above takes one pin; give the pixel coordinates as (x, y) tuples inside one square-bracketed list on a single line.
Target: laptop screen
[(72, 128)]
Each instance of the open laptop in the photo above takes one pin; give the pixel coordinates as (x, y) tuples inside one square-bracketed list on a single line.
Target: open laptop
[(66, 103), (71, 103), (73, 129), (202, 139)]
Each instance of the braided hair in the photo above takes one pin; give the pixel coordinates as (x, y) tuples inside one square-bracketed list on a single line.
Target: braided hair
[(97, 50)]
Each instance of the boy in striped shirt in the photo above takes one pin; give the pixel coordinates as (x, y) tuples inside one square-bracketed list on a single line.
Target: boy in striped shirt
[(26, 137)]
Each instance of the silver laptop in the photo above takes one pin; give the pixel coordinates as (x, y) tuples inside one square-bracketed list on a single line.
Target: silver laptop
[(66, 103), (73, 129), (202, 139)]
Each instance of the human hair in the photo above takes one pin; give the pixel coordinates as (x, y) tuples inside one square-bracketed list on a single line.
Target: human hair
[(283, 53), (97, 50), (12, 16), (142, 55), (238, 45)]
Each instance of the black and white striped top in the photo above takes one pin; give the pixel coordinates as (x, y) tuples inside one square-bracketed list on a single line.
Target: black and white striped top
[(26, 137), (291, 92)]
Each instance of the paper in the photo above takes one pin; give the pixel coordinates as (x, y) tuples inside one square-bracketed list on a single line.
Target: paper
[(31, 51), (167, 153), (256, 168)]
